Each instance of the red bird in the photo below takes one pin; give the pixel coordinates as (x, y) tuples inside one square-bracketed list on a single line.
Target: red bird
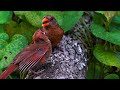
[(34, 54), (52, 29)]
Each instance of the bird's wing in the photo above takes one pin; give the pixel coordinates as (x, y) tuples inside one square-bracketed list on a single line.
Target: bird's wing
[(27, 59)]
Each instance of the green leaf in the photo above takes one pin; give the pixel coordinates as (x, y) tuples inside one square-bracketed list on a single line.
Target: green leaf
[(90, 72), (3, 43), (70, 18), (112, 76), (116, 20), (5, 16), (4, 36), (2, 29), (99, 31), (33, 18), (12, 49), (65, 19), (1, 54), (106, 57), (94, 70)]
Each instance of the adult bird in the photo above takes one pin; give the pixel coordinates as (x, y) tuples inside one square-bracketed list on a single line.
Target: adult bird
[(31, 56)]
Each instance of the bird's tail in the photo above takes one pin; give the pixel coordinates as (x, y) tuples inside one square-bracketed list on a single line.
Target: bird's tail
[(8, 71)]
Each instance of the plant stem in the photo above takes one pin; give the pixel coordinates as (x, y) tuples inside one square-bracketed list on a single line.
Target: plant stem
[(88, 30), (10, 77), (81, 40)]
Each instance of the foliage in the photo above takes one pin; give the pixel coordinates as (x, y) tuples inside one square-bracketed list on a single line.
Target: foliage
[(12, 49), (3, 43), (17, 28), (102, 38), (23, 28), (65, 19), (4, 36), (5, 16), (105, 28), (107, 57), (98, 30), (94, 70)]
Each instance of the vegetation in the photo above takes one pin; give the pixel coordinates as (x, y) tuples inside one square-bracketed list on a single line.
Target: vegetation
[(102, 38)]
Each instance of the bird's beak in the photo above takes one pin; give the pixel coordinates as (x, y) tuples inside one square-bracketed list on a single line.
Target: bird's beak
[(45, 22)]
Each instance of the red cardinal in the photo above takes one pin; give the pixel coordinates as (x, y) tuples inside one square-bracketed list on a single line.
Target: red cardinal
[(52, 29), (34, 54)]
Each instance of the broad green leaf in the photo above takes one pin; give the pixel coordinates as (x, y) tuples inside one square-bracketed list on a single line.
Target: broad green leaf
[(106, 57), (4, 36), (5, 16), (108, 14), (66, 19), (3, 43), (99, 31), (70, 18), (11, 50), (116, 20), (33, 18), (112, 76)]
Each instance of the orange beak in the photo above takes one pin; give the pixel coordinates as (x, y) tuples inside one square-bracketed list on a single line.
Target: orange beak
[(45, 20)]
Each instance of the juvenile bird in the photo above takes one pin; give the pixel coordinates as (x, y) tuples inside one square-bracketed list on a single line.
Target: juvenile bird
[(31, 56)]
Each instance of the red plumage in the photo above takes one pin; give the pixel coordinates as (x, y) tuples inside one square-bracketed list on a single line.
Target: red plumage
[(52, 29), (34, 54)]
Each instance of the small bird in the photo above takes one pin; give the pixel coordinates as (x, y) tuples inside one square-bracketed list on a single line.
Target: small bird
[(34, 54), (52, 29)]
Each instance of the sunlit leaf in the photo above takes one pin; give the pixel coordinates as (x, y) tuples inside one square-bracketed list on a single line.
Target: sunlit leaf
[(70, 18), (5, 16), (4, 36), (11, 50), (65, 18), (3, 43), (113, 35), (106, 57), (116, 20)]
